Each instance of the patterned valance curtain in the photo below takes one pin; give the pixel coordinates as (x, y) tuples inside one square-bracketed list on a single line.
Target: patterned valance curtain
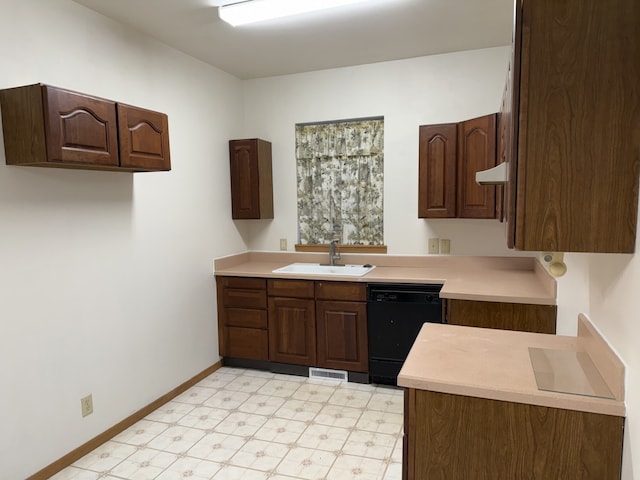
[(340, 182)]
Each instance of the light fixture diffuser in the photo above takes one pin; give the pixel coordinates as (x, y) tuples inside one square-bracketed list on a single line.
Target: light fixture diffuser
[(252, 11)]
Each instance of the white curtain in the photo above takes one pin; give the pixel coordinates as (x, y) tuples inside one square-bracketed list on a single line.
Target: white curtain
[(340, 182)]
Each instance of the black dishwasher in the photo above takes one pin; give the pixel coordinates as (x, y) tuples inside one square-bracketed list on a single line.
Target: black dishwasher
[(395, 314)]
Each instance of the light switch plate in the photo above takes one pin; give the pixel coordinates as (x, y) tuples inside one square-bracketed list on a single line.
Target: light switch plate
[(434, 245), (87, 405), (445, 245)]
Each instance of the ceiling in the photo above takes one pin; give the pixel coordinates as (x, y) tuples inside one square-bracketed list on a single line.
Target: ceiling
[(375, 31)]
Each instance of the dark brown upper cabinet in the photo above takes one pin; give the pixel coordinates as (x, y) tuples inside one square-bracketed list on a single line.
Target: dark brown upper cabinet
[(449, 157), (47, 126), (144, 139), (573, 114), (251, 179)]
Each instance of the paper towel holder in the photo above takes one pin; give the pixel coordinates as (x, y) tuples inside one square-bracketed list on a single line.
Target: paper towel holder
[(553, 262)]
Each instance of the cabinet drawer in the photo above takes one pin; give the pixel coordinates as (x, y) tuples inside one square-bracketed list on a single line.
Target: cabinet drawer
[(290, 288), (250, 343), (244, 282), (246, 317), (244, 298), (349, 291)]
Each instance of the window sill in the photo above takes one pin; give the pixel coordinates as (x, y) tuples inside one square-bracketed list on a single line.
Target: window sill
[(324, 247)]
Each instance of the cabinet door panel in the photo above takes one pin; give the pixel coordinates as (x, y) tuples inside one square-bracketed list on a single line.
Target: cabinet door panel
[(244, 180), (476, 151), (342, 335), (437, 171), (80, 129), (251, 178), (503, 316), (144, 138), (251, 343), (578, 140), (292, 331), (453, 436)]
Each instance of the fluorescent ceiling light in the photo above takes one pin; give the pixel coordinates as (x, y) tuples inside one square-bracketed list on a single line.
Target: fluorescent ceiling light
[(252, 11)]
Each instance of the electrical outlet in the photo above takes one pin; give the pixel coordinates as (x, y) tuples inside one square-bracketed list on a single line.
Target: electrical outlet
[(283, 244), (445, 245), (434, 245), (87, 405)]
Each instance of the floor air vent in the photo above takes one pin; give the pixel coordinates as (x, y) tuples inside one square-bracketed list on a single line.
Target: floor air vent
[(326, 374)]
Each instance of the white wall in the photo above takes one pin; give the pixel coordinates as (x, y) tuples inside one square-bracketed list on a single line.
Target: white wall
[(408, 93), (105, 278)]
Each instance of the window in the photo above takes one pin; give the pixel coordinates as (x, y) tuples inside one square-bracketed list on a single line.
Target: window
[(340, 181)]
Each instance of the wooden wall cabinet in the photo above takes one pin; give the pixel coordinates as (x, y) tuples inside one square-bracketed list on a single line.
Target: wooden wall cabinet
[(573, 112), (503, 316), (251, 179), (242, 317), (47, 126), (449, 157), (455, 436)]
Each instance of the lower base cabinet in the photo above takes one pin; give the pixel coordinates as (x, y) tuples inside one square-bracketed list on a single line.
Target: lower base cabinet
[(324, 323), (459, 437), (296, 322)]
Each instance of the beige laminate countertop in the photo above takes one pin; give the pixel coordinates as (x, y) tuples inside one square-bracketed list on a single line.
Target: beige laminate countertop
[(495, 364), (497, 279)]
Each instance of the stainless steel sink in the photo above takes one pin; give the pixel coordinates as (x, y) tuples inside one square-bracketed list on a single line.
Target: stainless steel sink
[(320, 269)]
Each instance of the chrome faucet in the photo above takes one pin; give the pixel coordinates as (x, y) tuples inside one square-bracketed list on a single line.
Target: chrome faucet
[(334, 254)]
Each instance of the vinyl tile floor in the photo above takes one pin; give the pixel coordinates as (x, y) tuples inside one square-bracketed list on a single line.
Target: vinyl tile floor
[(240, 424)]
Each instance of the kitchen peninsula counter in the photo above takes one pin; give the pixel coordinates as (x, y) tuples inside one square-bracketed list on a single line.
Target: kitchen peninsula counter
[(473, 408), (496, 365), (490, 279)]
